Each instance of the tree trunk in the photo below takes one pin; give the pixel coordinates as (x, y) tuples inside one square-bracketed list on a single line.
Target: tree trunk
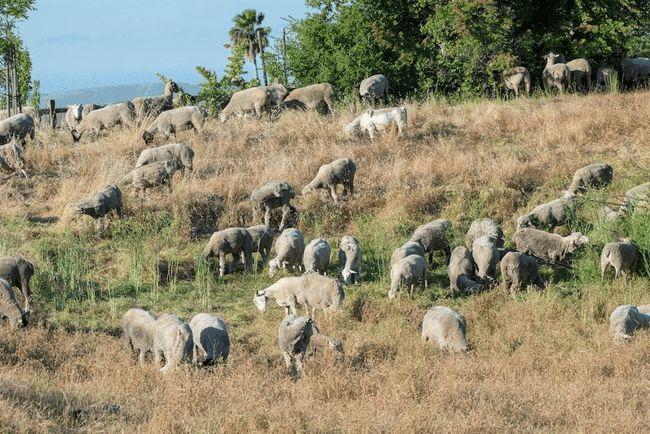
[(7, 86), (261, 48)]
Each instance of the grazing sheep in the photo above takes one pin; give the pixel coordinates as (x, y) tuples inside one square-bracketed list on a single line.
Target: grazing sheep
[(513, 78), (270, 196), (17, 127), (595, 175), (100, 204), (312, 291), (556, 74), (518, 269), (636, 197), (105, 118), (173, 341), (373, 121), (486, 257), (294, 335), (461, 272), (289, 250), (316, 256), (580, 72), (255, 100), (18, 271), (234, 241), (330, 175), (179, 154), (626, 319), (12, 157), (319, 97), (445, 327), (407, 249), (77, 112), (154, 105), (635, 71), (551, 248), (262, 237), (406, 273), (9, 307), (171, 121), (151, 175), (549, 215), (321, 342), (605, 77), (620, 255), (350, 257), (484, 227), (374, 89), (211, 340), (433, 237), (138, 331)]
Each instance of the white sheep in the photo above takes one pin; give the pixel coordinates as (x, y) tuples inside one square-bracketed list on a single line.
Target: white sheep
[(556, 74), (289, 249), (138, 332), (374, 89), (151, 175), (211, 340), (626, 319), (9, 307), (173, 341), (636, 198), (486, 256), (77, 112), (407, 273), (262, 237), (461, 272), (484, 227), (549, 215), (275, 194), (594, 175), (350, 258), (170, 122), (12, 157), (445, 327), (551, 248), (232, 241), (408, 248), (372, 121), (316, 256), (105, 118), (580, 72), (319, 97), (154, 105), (17, 127), (294, 335), (255, 100), (513, 78), (99, 205), (180, 154), (330, 175), (433, 236), (518, 269), (621, 255)]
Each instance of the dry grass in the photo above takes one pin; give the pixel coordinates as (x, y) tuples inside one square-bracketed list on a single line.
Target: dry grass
[(541, 362)]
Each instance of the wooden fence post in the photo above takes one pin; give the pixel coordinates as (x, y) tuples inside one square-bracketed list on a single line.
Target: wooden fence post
[(52, 107)]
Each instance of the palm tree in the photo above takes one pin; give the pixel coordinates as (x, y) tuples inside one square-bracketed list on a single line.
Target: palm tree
[(247, 31)]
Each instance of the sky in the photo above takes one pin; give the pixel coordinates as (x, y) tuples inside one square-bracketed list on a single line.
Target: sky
[(76, 44)]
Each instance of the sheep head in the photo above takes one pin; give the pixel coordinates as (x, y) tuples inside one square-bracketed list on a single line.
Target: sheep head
[(576, 240), (524, 221), (147, 137), (274, 267), (260, 300), (347, 275)]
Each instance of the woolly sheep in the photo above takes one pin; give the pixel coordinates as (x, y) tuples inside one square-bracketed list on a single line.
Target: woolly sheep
[(636, 197), (484, 227), (319, 97), (626, 319), (605, 77), (289, 250), (138, 331), (330, 175), (312, 291), (12, 157), (620, 255), (372, 121), (580, 73), (350, 258), (151, 175), (513, 78), (486, 257), (173, 341), (17, 127), (408, 248), (445, 327), (518, 269), (9, 307), (171, 121), (594, 175), (294, 335), (461, 271), (374, 89), (548, 247), (179, 154), (262, 238), (77, 112), (234, 241), (152, 106), (323, 342), (635, 71), (433, 237), (105, 118), (210, 336), (276, 194), (406, 273), (316, 256), (255, 100), (100, 204), (548, 215), (18, 272), (556, 74)]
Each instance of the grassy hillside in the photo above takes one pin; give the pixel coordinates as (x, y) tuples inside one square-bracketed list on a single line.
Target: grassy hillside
[(539, 361)]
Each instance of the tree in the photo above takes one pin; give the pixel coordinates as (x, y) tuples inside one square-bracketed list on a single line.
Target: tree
[(247, 32)]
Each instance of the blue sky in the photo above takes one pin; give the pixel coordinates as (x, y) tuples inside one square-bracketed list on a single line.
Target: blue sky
[(88, 43)]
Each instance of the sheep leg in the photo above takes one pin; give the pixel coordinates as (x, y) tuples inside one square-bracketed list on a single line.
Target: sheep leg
[(617, 272), (333, 194), (222, 264), (287, 360), (141, 357), (267, 215), (371, 133), (285, 214)]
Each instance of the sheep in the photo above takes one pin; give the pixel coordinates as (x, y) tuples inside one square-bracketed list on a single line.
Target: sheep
[(234, 241), (154, 105), (330, 175), (319, 97), (273, 195), (513, 78), (171, 121), (150, 175), (77, 112), (372, 121), (635, 71), (262, 237), (408, 248), (406, 273), (518, 269), (180, 154), (100, 204), (312, 291), (484, 227), (18, 271), (138, 331), (105, 118), (172, 340), (461, 272), (17, 127), (636, 197), (289, 250), (549, 215), (210, 336), (486, 257), (32, 111), (350, 258), (12, 157), (594, 175), (323, 342), (605, 77), (9, 307), (580, 73), (255, 100), (620, 255), (445, 327), (433, 237), (294, 335), (626, 319), (316, 256), (551, 248), (374, 89), (556, 74)]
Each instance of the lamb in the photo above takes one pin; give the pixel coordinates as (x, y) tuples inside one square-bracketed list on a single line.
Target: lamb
[(173, 341), (551, 248), (330, 175), (513, 78), (605, 77), (255, 100), (17, 127), (635, 71), (316, 256), (289, 250), (171, 121), (319, 97), (100, 204), (408, 248), (234, 241), (294, 335), (556, 74), (486, 257), (461, 272), (323, 342), (445, 327), (350, 257), (374, 89), (9, 307), (626, 319), (77, 112), (484, 227), (636, 197), (105, 118), (180, 154), (372, 121), (620, 255), (138, 331), (518, 269), (549, 215), (210, 336), (433, 237), (262, 237), (18, 272), (270, 196), (595, 175), (12, 157), (151, 175), (154, 105), (406, 273), (580, 73)]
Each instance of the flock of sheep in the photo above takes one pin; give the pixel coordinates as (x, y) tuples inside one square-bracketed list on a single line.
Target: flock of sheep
[(471, 268)]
